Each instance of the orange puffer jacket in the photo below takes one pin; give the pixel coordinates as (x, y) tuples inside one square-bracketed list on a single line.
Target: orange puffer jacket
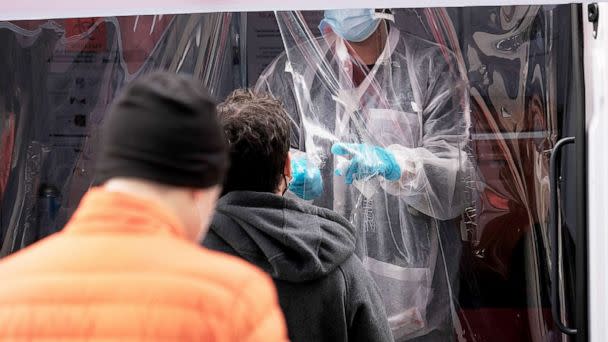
[(121, 270)]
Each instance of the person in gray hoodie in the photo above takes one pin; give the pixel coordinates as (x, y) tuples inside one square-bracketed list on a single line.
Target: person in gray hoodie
[(325, 292)]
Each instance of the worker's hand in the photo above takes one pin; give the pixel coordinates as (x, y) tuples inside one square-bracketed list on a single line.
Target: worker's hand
[(306, 180), (366, 162)]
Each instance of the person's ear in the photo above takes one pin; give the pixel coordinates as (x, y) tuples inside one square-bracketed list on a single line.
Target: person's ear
[(287, 168)]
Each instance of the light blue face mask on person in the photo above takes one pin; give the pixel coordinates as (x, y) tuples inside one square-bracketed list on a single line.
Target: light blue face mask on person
[(354, 25)]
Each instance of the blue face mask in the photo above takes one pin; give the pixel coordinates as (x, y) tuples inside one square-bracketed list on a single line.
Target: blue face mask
[(355, 25)]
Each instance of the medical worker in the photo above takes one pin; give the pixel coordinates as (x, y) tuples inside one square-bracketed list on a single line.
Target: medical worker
[(380, 126)]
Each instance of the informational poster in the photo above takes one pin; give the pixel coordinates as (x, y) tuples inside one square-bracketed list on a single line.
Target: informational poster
[(79, 87)]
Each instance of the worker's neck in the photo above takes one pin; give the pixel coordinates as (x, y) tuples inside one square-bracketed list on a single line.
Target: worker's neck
[(369, 50)]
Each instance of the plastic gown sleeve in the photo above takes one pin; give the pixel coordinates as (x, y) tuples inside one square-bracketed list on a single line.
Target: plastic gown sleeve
[(435, 175)]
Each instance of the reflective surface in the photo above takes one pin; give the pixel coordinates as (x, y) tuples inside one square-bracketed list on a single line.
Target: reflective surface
[(58, 79), (470, 240)]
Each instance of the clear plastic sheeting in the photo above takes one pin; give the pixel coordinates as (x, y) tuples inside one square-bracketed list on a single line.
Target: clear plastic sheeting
[(468, 102), (7, 139), (58, 78), (519, 69), (411, 101), (517, 63)]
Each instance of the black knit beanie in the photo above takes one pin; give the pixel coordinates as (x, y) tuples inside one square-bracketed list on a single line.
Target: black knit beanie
[(163, 128)]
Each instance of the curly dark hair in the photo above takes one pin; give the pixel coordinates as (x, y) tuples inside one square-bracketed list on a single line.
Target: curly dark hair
[(258, 132)]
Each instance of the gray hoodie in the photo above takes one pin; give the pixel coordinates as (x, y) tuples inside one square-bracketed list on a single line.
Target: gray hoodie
[(323, 289)]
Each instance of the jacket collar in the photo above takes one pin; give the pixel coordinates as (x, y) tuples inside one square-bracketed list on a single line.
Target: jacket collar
[(102, 211)]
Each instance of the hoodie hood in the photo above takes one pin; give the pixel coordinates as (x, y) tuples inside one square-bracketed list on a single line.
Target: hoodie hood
[(289, 239)]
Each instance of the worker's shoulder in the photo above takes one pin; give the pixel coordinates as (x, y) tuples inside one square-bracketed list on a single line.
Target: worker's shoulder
[(421, 47), (283, 61)]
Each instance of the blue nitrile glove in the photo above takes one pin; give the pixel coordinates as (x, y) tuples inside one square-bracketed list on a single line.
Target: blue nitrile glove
[(306, 180), (367, 161)]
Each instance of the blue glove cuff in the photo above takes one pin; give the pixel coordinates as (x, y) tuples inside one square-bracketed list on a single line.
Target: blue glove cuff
[(393, 170)]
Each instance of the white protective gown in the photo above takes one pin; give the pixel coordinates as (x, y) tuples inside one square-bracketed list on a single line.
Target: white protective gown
[(413, 103)]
